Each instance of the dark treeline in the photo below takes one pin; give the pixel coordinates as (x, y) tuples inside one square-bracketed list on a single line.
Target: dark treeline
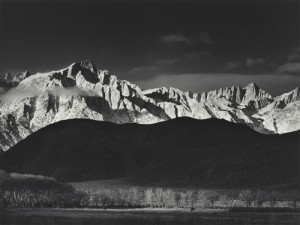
[(22, 190)]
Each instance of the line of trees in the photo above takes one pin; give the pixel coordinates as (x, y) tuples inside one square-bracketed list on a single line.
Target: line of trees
[(19, 190), (261, 198), (168, 198)]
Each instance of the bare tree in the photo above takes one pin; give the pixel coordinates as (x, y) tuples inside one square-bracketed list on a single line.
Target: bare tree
[(177, 198), (212, 196), (168, 198), (228, 198), (149, 196), (232, 196), (260, 197), (273, 197), (123, 197), (105, 198), (247, 196), (115, 197), (159, 196), (84, 198), (96, 199), (134, 196), (202, 198), (293, 197), (225, 201), (183, 199), (191, 197)]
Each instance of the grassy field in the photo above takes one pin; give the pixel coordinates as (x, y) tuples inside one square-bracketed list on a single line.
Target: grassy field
[(142, 216)]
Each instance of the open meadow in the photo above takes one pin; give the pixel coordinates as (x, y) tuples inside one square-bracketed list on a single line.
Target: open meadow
[(30, 199), (54, 216)]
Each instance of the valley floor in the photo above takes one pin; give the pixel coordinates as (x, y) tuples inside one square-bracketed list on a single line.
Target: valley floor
[(142, 216)]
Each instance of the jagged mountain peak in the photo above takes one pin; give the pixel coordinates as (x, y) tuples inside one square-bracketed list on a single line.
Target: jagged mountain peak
[(252, 86), (163, 89), (26, 73), (16, 78), (289, 97), (9, 80), (296, 90), (83, 91), (87, 64), (66, 77), (87, 69), (166, 94), (255, 97)]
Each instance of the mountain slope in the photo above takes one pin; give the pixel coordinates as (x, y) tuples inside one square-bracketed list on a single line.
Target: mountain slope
[(183, 151), (83, 91), (11, 80)]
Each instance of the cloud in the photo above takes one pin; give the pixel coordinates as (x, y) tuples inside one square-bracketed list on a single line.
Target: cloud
[(172, 39), (196, 56), (254, 62), (60, 91), (292, 64), (274, 83), (175, 38), (289, 68), (186, 57), (167, 62), (293, 55), (250, 65), (234, 64), (144, 69), (205, 38), (17, 93), (161, 65)]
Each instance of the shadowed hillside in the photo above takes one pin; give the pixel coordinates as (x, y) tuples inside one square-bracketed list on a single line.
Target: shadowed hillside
[(183, 151)]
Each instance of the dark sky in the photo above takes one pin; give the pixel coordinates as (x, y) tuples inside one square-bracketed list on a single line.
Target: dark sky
[(196, 45)]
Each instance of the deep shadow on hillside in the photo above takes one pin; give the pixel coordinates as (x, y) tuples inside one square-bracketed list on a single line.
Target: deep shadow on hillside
[(179, 152)]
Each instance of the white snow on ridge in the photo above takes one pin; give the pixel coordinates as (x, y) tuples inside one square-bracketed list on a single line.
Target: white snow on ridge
[(83, 91)]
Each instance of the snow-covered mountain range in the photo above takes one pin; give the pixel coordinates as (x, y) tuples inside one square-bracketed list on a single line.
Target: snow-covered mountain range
[(83, 91)]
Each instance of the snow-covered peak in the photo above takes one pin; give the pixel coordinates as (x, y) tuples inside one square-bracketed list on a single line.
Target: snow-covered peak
[(171, 90), (82, 91), (16, 77), (88, 64), (255, 97), (81, 66), (164, 94), (290, 97), (9, 80), (252, 86), (253, 92)]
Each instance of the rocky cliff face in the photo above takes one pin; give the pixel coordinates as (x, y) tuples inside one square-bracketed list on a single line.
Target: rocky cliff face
[(83, 91), (11, 80), (289, 97), (250, 95)]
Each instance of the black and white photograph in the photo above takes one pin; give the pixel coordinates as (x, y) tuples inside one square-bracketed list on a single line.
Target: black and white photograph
[(149, 112)]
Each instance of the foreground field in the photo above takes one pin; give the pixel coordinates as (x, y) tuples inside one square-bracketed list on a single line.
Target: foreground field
[(141, 216)]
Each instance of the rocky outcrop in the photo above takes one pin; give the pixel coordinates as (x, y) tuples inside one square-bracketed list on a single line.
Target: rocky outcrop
[(11, 80), (289, 97)]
